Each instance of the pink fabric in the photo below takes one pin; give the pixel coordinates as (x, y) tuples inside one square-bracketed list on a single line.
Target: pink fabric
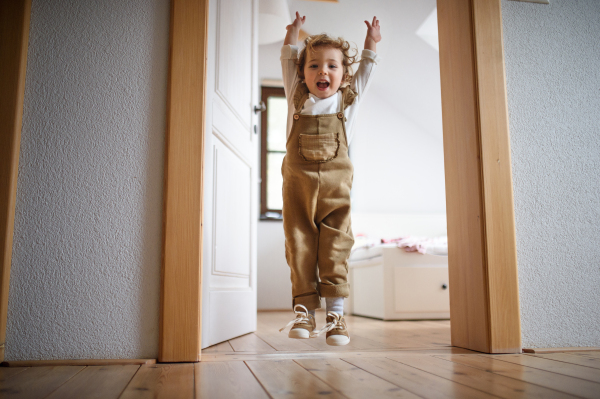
[(412, 244)]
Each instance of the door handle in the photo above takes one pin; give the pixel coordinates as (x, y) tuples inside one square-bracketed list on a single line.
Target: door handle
[(260, 107)]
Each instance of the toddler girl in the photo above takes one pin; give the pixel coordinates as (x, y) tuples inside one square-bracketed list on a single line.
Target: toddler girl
[(323, 97)]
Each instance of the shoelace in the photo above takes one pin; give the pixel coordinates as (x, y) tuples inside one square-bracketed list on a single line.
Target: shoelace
[(301, 316), (332, 325)]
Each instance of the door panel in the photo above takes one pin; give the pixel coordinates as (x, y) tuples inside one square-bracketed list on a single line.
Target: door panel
[(231, 174), (235, 324), (231, 213), (231, 131), (234, 57)]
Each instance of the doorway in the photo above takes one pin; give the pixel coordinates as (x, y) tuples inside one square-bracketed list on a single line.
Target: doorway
[(396, 140), (478, 179)]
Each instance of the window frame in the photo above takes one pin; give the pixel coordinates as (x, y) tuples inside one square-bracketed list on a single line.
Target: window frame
[(266, 92)]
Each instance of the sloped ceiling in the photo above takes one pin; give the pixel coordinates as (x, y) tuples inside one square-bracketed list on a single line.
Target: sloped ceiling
[(408, 77)]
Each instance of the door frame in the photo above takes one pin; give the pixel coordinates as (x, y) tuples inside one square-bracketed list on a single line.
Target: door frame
[(14, 39), (484, 299)]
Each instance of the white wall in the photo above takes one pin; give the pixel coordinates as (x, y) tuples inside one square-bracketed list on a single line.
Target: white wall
[(87, 244), (398, 168), (552, 55), (273, 274)]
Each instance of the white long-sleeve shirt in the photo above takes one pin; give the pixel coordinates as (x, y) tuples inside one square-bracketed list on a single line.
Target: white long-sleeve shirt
[(330, 105)]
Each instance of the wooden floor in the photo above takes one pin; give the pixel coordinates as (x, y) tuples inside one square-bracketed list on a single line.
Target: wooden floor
[(384, 359)]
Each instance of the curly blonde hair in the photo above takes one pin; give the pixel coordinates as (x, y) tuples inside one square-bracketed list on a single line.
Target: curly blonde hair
[(323, 40)]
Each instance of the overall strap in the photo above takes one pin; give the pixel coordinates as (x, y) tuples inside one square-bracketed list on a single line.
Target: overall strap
[(300, 96), (348, 96)]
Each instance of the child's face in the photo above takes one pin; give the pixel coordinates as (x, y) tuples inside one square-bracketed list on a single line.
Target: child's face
[(323, 71)]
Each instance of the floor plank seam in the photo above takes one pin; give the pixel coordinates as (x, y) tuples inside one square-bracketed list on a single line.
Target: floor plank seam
[(547, 371), (258, 380), (129, 382), (259, 337), (66, 381), (563, 361), (517, 379), (383, 378), (447, 379), (325, 382)]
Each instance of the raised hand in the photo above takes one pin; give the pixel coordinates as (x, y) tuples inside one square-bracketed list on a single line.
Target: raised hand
[(293, 29), (298, 22), (373, 30)]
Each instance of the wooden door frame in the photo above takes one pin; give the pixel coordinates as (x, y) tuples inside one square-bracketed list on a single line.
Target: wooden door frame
[(484, 299), (14, 39)]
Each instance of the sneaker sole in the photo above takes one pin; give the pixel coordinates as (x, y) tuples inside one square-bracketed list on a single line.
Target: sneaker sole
[(337, 340), (299, 333)]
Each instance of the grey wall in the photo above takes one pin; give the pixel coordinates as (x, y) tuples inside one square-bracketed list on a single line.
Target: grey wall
[(552, 55), (87, 242)]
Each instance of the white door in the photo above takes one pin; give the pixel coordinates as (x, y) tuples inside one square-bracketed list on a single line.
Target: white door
[(230, 173)]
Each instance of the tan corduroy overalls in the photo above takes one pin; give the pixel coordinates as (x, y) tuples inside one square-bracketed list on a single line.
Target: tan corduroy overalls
[(317, 178)]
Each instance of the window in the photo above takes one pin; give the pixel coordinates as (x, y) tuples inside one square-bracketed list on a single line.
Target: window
[(273, 138)]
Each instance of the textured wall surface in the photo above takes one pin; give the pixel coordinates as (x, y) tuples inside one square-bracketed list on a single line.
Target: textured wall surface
[(87, 244), (553, 77)]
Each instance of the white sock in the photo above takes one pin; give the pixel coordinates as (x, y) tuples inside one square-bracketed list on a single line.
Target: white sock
[(335, 305)]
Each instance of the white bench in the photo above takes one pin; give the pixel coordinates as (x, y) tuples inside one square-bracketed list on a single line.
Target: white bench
[(388, 283)]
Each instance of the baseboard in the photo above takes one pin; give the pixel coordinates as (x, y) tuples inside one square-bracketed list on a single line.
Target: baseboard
[(77, 362), (559, 350)]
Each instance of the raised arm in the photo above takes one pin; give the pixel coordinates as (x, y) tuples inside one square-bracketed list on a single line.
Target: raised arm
[(293, 30), (373, 35)]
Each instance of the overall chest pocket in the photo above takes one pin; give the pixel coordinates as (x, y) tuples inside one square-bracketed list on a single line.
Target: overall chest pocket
[(319, 147)]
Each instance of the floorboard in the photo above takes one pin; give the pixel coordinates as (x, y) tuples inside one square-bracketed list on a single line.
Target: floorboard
[(285, 379), (406, 359), (589, 355), (227, 380), (167, 380), (352, 381), (558, 382), (416, 381), (6, 373), (493, 384), (250, 343), (573, 370), (101, 382), (47, 380), (569, 358)]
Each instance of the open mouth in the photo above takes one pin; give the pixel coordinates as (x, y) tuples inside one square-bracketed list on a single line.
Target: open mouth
[(323, 85)]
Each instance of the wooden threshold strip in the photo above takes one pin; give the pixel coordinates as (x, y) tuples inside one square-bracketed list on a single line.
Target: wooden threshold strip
[(285, 355), (77, 362)]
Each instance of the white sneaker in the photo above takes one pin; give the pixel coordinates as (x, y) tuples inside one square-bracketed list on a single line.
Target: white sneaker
[(303, 325), (337, 333)]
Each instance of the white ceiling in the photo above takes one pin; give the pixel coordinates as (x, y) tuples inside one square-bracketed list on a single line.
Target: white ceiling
[(408, 77)]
